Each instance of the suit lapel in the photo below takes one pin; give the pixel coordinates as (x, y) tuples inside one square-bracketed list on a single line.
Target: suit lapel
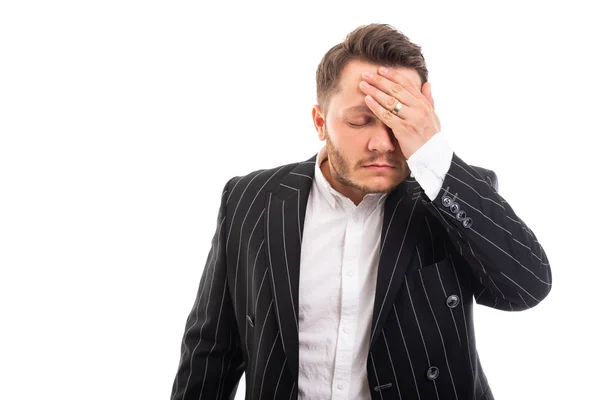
[(286, 209), (402, 219)]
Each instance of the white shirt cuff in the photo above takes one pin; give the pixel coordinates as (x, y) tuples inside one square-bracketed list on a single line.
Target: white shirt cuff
[(430, 163)]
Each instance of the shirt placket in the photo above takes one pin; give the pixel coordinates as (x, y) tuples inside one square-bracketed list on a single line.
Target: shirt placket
[(349, 306)]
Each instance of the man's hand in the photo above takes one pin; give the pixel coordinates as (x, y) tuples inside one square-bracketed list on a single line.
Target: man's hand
[(416, 122)]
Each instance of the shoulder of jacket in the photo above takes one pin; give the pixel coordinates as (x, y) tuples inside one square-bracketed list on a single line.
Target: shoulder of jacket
[(266, 180)]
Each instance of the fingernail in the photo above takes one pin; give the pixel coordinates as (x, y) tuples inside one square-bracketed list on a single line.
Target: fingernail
[(383, 70)]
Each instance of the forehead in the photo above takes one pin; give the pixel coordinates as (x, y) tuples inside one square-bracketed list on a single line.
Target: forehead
[(351, 95)]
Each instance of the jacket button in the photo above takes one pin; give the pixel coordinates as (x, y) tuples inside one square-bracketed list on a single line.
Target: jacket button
[(452, 301), (433, 373), (461, 215), (467, 222), (446, 201), (454, 207)]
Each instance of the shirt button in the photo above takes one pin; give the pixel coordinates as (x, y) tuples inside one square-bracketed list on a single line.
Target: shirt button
[(340, 386), (350, 273), (355, 217), (345, 330)]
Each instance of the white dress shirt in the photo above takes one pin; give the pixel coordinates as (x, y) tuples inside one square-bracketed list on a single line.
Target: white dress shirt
[(338, 274)]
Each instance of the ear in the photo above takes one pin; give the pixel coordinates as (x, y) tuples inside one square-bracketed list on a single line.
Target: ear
[(426, 90), (319, 121)]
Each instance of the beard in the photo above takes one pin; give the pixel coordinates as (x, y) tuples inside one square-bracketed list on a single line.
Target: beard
[(342, 171)]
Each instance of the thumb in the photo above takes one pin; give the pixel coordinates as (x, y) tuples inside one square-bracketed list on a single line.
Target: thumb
[(426, 90)]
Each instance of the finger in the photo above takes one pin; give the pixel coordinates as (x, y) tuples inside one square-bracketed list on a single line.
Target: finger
[(385, 115), (426, 90), (398, 77), (393, 89), (386, 101)]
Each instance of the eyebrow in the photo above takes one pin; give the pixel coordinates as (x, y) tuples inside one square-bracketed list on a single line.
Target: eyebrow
[(362, 108)]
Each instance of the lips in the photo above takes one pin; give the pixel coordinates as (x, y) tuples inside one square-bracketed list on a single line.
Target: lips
[(380, 165)]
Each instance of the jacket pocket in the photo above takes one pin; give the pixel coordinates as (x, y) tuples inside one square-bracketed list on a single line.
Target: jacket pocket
[(432, 269)]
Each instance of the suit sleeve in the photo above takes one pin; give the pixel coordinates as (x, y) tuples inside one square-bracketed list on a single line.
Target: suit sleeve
[(509, 267), (211, 361)]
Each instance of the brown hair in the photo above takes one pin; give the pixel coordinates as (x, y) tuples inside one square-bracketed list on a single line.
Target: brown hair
[(379, 44)]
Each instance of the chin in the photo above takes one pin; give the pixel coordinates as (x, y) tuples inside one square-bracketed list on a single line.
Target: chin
[(383, 187)]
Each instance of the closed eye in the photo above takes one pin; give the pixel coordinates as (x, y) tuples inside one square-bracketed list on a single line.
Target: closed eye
[(358, 125)]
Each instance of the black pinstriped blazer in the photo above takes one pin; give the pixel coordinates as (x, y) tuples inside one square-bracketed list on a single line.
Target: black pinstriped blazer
[(437, 257)]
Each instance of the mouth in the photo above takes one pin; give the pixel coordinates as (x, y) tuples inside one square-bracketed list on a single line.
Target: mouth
[(379, 167)]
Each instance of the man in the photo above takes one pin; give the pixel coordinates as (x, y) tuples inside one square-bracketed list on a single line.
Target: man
[(352, 275)]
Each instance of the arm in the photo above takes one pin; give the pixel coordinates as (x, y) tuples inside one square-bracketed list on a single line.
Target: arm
[(509, 266), (211, 362), (504, 256)]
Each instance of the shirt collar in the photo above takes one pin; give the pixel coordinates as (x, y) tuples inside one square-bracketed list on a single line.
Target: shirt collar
[(322, 184)]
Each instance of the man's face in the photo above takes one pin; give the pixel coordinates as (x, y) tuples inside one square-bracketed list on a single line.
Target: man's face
[(355, 137)]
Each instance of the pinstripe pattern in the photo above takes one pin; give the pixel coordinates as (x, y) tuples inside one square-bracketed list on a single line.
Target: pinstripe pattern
[(435, 264)]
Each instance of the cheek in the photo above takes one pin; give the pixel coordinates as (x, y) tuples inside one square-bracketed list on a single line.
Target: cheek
[(352, 158), (349, 142)]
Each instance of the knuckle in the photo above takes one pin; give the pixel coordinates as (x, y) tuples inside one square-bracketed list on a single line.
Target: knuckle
[(396, 88), (391, 102), (387, 115)]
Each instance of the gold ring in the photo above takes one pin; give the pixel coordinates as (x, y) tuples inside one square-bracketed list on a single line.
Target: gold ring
[(397, 107)]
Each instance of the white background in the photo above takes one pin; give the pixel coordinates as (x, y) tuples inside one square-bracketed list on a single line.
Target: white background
[(121, 121)]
